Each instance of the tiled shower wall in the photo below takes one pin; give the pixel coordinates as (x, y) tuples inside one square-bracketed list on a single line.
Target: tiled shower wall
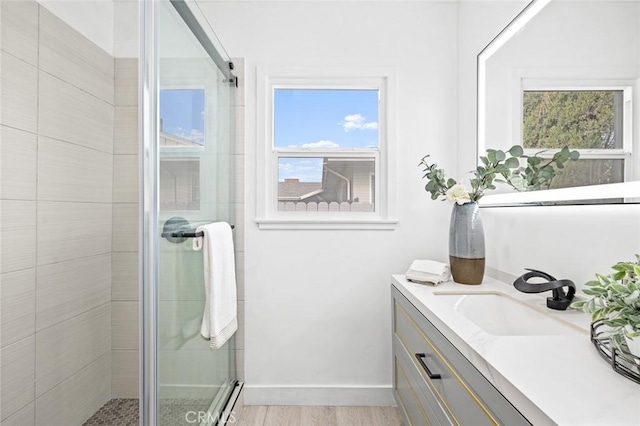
[(124, 290), (57, 172)]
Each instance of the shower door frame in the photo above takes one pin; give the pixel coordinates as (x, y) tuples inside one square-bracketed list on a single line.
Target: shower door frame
[(149, 117)]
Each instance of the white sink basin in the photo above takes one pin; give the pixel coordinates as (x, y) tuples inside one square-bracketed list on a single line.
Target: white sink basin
[(502, 315)]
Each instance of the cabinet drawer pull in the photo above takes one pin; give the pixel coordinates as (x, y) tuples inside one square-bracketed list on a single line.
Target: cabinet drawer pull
[(431, 375)]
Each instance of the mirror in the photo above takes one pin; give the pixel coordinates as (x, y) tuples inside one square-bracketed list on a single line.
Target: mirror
[(567, 73)]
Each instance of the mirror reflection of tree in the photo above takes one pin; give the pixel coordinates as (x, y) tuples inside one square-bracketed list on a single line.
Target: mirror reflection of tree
[(583, 120)]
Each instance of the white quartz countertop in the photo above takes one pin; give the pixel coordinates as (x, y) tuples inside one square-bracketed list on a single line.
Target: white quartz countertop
[(554, 379)]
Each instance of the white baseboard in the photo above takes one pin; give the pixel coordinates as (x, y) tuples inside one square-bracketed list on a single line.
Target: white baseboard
[(334, 396)]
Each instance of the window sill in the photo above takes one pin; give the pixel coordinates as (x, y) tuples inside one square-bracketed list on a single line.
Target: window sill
[(327, 224)]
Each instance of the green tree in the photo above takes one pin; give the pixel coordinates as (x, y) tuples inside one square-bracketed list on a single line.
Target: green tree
[(579, 120)]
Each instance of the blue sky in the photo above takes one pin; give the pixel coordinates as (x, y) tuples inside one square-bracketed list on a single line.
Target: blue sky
[(182, 113), (324, 119)]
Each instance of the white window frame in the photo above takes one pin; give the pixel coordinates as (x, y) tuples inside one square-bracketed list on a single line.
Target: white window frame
[(381, 79), (544, 84)]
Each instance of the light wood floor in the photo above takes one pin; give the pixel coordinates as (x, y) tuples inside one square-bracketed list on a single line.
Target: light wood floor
[(261, 415)]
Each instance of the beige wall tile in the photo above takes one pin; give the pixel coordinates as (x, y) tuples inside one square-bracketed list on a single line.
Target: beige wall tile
[(240, 364), (19, 29), (26, 416), (18, 230), (238, 94), (125, 227), (69, 172), (240, 332), (124, 326), (77, 398), (239, 122), (18, 164), (238, 232), (72, 115), (68, 347), (125, 178), (67, 289), (125, 137), (18, 306), (238, 179), (199, 369), (18, 376), (19, 101), (70, 56), (181, 270), (125, 276), (68, 231), (179, 325), (126, 90), (124, 374), (240, 274)]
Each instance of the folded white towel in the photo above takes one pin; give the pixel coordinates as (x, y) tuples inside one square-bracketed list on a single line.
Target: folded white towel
[(220, 319), (428, 272)]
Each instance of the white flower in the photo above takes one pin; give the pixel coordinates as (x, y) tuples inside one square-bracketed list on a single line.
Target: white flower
[(459, 194)]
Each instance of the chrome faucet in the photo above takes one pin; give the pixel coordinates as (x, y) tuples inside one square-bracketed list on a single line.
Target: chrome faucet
[(560, 300)]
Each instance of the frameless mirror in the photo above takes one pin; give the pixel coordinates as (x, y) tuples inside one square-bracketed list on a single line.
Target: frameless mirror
[(567, 73)]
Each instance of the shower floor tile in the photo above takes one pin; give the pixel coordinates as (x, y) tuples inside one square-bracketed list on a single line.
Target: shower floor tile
[(124, 412), (116, 412)]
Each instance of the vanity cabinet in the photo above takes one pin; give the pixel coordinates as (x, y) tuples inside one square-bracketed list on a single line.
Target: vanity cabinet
[(434, 384)]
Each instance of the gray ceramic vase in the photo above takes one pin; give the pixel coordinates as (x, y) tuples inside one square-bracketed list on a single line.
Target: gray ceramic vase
[(466, 244)]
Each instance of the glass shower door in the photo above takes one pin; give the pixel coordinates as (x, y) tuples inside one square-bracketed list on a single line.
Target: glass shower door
[(195, 135)]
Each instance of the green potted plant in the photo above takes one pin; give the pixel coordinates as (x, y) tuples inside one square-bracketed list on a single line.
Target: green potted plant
[(615, 299), (466, 235), (498, 166)]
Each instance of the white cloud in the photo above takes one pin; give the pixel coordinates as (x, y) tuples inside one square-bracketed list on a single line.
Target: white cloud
[(305, 169), (319, 144), (194, 135), (357, 122)]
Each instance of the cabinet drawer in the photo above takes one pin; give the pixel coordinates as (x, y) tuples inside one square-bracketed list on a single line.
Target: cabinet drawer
[(463, 393), (419, 403)]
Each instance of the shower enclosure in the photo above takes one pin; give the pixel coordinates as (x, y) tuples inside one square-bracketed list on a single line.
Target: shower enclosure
[(116, 121), (188, 146)]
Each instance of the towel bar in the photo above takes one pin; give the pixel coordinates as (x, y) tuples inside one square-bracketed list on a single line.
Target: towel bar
[(177, 235)]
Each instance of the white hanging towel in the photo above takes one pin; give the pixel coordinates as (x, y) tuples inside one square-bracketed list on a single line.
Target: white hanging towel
[(220, 319)]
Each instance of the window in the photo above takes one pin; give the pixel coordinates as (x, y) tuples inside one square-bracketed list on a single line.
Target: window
[(593, 121), (326, 144), (326, 153), (179, 184), (182, 116), (182, 123)]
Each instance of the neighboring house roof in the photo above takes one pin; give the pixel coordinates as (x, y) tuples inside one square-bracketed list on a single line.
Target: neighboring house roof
[(168, 139), (294, 190)]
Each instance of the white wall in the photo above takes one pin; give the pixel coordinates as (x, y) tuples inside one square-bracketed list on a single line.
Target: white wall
[(93, 19), (111, 24), (317, 304), (569, 242)]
